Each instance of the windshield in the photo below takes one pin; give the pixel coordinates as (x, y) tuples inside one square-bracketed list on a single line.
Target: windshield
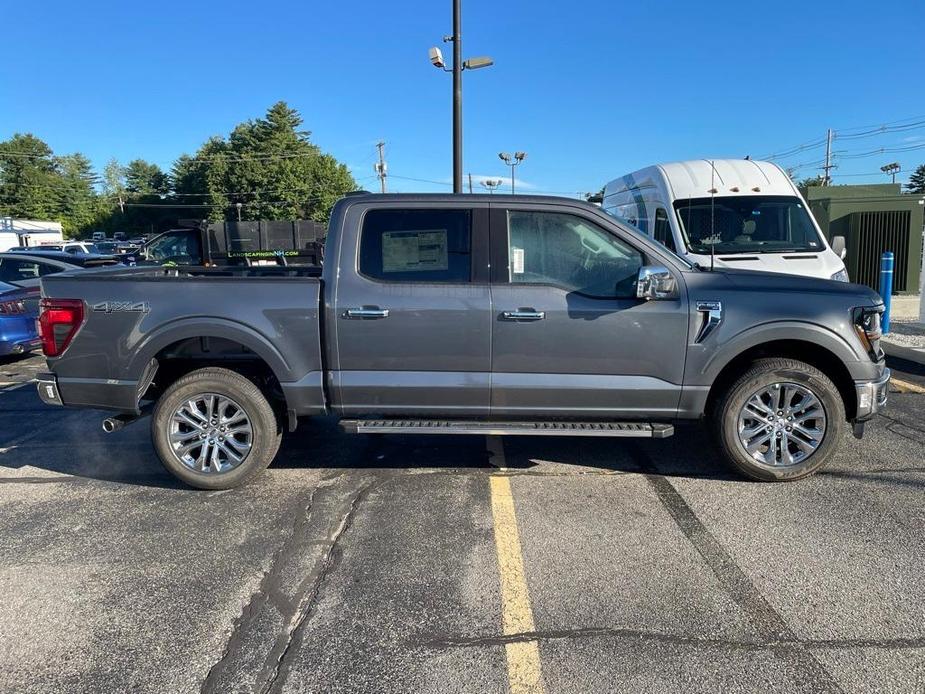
[(175, 247), (747, 224)]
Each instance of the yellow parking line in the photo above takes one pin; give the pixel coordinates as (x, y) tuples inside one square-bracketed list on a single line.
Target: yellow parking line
[(523, 657), (906, 387)]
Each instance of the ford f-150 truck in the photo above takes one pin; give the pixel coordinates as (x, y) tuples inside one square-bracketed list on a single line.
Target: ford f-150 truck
[(443, 314)]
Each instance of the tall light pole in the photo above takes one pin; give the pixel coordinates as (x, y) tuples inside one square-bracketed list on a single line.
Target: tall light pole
[(436, 58), (512, 162), (491, 184), (891, 169)]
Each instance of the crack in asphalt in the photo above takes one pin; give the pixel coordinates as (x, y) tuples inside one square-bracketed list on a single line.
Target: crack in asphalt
[(253, 660), (770, 625), (328, 562), (675, 639)]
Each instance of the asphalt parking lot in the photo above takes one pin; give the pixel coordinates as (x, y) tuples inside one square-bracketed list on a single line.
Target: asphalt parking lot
[(413, 564)]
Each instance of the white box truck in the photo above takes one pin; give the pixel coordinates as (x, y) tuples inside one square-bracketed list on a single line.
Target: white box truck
[(745, 214), (28, 232)]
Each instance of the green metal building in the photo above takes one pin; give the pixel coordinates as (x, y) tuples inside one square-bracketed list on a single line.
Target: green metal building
[(874, 219)]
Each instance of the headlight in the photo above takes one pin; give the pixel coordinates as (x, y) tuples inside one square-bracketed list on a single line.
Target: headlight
[(867, 325), (840, 276)]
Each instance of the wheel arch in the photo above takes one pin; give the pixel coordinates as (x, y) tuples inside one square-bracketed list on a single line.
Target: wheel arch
[(809, 352)]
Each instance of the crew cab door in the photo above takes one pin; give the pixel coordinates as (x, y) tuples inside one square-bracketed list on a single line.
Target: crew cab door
[(412, 311), (570, 338)]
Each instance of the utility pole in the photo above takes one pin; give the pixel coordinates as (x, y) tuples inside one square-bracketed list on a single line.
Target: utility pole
[(380, 167), (470, 184), (457, 97), (826, 178)]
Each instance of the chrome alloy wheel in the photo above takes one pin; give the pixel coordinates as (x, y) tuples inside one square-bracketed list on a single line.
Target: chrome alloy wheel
[(782, 424), (210, 433)]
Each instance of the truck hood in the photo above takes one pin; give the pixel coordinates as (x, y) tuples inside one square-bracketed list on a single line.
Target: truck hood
[(776, 283)]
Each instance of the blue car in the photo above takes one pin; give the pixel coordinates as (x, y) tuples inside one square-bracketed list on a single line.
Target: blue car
[(19, 310)]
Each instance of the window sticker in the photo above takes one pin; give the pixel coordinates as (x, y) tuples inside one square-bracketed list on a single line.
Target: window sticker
[(415, 251), (517, 260)]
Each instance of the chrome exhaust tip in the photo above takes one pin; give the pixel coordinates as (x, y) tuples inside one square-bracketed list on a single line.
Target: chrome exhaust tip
[(111, 424)]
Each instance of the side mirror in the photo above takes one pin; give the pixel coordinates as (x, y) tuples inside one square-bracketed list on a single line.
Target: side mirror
[(839, 246), (656, 282)]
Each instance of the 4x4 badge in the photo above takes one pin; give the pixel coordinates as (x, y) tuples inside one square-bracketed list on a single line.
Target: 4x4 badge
[(121, 307)]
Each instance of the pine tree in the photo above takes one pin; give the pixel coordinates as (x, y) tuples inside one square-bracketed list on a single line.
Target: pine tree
[(916, 182)]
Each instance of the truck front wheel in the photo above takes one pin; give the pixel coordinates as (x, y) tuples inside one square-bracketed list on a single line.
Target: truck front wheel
[(780, 420), (214, 429)]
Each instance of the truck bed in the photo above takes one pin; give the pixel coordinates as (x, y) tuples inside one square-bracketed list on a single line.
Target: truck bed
[(134, 317)]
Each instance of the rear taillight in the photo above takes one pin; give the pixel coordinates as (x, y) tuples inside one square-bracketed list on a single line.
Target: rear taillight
[(59, 320), (8, 308)]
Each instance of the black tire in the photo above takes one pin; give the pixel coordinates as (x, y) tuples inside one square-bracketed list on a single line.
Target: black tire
[(264, 437), (764, 373)]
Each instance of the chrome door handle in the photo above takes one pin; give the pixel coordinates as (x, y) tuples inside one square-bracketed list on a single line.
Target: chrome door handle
[(523, 315), (366, 313)]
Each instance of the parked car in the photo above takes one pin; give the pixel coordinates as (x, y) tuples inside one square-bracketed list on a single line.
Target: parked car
[(87, 260), (23, 270), (443, 314), (745, 214), (99, 236), (19, 309)]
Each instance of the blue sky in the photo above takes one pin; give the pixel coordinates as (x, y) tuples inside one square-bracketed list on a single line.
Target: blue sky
[(590, 90)]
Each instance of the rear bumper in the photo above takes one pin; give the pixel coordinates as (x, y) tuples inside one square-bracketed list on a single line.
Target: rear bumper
[(47, 386), (118, 396), (871, 396)]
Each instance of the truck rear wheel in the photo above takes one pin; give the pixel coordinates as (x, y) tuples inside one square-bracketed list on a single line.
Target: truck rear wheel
[(781, 420), (214, 429)]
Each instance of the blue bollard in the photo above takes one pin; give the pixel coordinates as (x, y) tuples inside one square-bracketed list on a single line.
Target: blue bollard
[(886, 288)]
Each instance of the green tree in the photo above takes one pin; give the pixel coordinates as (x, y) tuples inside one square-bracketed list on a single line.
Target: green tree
[(28, 176), (145, 179), (78, 202), (269, 166), (807, 183), (916, 182)]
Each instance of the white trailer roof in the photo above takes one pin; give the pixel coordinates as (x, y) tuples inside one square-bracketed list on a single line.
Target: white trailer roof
[(29, 226)]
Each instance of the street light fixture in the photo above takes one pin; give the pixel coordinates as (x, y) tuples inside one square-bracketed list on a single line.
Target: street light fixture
[(436, 59), (239, 206), (512, 162), (891, 169), (491, 184)]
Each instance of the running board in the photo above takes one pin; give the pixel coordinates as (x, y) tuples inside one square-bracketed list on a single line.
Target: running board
[(447, 426)]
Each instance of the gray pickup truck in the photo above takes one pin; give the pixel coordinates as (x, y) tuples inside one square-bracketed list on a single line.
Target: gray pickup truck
[(442, 314)]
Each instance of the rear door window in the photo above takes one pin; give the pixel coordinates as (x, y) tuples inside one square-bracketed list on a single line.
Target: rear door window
[(417, 245)]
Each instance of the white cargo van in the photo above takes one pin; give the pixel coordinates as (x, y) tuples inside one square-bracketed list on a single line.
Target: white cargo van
[(749, 214)]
